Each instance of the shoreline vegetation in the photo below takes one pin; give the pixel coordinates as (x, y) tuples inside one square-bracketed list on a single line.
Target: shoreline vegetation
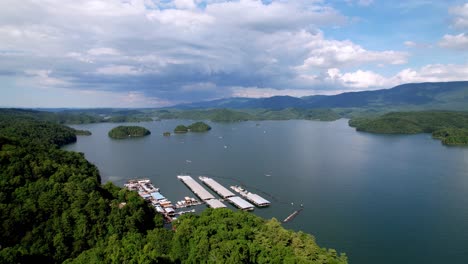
[(449, 127), (123, 132), (54, 209)]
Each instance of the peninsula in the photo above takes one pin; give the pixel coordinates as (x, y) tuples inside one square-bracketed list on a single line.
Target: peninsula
[(450, 127)]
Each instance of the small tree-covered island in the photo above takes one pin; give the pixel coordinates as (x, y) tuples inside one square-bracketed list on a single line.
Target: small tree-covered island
[(54, 209), (122, 132), (195, 127)]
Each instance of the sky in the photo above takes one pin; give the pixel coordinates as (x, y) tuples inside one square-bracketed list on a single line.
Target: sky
[(156, 53)]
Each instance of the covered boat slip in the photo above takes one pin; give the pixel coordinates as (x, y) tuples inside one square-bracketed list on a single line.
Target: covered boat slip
[(218, 188), (196, 187), (257, 199), (215, 203), (241, 203)]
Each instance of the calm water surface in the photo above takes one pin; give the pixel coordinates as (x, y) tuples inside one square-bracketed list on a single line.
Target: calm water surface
[(380, 199)]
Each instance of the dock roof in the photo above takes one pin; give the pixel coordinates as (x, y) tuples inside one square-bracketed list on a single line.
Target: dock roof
[(215, 203), (218, 188), (196, 187), (241, 203), (157, 196), (257, 198)]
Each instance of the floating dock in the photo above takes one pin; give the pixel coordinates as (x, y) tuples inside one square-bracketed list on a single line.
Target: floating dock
[(195, 187), (241, 203), (292, 216), (254, 198), (218, 188), (215, 203)]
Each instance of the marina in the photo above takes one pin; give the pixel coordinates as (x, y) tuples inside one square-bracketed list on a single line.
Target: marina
[(218, 188), (252, 197), (162, 205), (151, 194)]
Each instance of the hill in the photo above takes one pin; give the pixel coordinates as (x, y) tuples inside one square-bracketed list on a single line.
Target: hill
[(450, 127), (417, 96)]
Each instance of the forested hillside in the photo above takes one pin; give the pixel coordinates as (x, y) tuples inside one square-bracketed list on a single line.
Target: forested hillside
[(450, 127), (54, 209)]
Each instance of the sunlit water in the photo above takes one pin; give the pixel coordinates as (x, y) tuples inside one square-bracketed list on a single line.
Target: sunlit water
[(380, 199)]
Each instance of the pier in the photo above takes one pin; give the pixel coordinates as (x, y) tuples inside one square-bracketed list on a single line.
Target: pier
[(252, 197), (195, 187), (215, 203), (218, 188), (241, 203), (201, 192)]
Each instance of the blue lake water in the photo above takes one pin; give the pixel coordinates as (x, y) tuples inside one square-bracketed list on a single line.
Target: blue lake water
[(378, 198)]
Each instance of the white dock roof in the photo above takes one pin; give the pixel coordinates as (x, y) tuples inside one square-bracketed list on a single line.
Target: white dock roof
[(196, 187), (218, 188), (241, 203), (215, 203), (257, 198)]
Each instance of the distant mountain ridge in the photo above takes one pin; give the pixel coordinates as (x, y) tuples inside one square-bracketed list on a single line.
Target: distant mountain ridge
[(435, 95)]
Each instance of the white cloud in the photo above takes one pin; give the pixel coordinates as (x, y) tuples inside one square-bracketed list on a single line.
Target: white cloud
[(409, 43), (119, 70), (172, 49), (460, 14), (325, 53), (103, 51), (359, 79), (459, 41), (184, 4), (44, 80), (368, 80)]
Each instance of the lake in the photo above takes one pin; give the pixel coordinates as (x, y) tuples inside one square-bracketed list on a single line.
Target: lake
[(378, 198)]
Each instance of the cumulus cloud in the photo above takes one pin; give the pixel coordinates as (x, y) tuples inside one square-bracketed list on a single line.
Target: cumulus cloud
[(459, 41), (366, 80), (460, 16), (186, 50), (323, 53)]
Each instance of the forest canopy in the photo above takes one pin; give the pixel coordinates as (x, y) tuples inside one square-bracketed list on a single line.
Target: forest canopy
[(122, 132), (450, 127)]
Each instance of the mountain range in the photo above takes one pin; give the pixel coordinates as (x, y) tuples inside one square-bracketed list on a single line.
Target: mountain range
[(411, 96)]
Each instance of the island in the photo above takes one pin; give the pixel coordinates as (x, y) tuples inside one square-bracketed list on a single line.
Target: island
[(181, 129), (122, 132), (199, 127), (449, 126), (166, 134), (195, 127)]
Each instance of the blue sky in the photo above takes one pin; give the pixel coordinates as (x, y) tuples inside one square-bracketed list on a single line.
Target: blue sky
[(154, 53)]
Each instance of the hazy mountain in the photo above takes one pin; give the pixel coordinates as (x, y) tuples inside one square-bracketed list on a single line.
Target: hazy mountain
[(446, 95)]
